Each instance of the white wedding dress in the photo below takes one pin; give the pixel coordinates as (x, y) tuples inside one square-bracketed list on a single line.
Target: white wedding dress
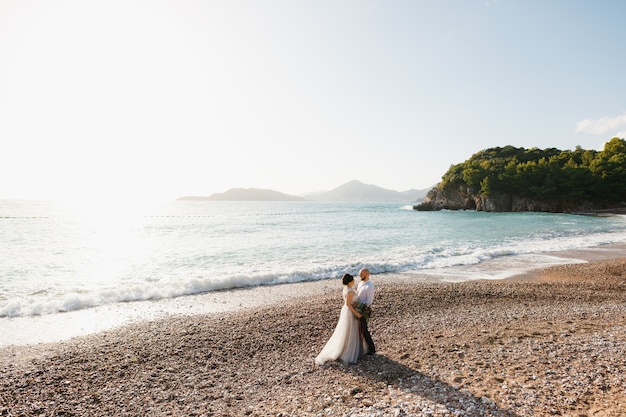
[(345, 342)]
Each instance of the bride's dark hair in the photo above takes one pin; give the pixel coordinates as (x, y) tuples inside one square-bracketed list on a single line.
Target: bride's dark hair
[(347, 278)]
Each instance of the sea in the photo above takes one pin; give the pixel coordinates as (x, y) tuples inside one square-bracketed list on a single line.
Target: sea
[(92, 260)]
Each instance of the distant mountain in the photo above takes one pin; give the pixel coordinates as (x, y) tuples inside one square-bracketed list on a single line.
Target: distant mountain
[(357, 191), (353, 191), (247, 194)]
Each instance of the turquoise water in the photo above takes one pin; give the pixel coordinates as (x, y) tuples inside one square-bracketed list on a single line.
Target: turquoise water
[(61, 258)]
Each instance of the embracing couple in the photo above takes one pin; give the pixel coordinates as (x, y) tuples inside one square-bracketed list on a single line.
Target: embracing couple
[(351, 338)]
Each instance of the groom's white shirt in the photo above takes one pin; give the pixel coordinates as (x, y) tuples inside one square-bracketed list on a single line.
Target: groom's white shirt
[(365, 292)]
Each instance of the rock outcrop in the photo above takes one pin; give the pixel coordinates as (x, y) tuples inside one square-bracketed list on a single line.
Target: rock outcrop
[(463, 199)]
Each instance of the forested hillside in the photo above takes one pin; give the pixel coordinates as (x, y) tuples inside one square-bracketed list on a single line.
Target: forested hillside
[(518, 179), (545, 173)]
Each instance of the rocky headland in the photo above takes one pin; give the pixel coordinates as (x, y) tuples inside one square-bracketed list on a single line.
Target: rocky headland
[(510, 179)]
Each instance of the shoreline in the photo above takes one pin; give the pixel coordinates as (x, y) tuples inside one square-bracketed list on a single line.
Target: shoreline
[(551, 345), (60, 327)]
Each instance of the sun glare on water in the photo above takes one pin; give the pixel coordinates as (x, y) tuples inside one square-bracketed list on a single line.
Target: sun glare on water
[(110, 233)]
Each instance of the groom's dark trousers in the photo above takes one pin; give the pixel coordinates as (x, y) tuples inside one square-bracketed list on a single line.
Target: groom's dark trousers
[(368, 338)]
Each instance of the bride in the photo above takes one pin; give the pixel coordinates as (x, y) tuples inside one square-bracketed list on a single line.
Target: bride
[(345, 342)]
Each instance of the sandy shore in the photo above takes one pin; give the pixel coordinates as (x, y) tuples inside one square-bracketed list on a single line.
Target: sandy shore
[(552, 343)]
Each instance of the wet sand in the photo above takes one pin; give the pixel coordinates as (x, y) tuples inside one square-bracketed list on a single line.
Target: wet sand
[(552, 342)]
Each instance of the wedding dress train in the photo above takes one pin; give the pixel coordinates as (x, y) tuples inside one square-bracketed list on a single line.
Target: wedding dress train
[(345, 342)]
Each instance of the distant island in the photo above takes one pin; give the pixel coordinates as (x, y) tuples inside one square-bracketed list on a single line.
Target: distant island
[(546, 180), (248, 194), (353, 191)]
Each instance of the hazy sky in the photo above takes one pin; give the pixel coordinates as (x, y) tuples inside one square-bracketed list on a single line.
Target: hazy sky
[(165, 98)]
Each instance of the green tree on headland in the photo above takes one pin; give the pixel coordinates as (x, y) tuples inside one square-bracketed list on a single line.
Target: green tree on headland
[(544, 174)]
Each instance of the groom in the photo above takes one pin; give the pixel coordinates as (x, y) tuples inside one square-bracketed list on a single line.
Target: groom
[(365, 295)]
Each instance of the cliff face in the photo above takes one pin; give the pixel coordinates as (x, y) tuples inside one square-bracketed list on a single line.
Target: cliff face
[(462, 199), (438, 199)]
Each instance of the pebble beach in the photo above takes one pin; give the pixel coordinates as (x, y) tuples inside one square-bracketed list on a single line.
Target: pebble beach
[(550, 343)]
